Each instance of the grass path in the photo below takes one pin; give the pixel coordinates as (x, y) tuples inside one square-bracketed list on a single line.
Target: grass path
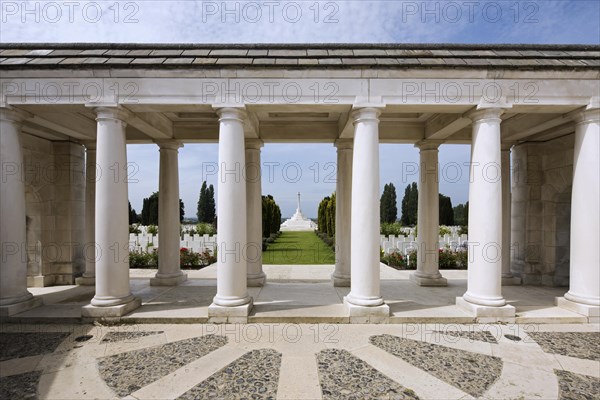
[(298, 248)]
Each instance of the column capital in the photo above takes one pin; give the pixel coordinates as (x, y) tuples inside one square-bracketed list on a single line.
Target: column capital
[(228, 113), (364, 114), (113, 113), (254, 144), (168, 144), (344, 144), (425, 145), (585, 116), (13, 114), (485, 114)]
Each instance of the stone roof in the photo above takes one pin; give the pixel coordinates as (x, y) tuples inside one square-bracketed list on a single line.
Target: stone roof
[(21, 56)]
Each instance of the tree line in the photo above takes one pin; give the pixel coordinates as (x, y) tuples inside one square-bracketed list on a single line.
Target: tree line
[(448, 215)]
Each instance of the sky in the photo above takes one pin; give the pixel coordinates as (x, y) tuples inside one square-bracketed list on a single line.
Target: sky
[(394, 21)]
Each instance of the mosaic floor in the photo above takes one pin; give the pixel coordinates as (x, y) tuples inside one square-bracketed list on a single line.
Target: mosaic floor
[(287, 361)]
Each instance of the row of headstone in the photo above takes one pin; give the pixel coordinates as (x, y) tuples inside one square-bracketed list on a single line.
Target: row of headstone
[(406, 244), (196, 243)]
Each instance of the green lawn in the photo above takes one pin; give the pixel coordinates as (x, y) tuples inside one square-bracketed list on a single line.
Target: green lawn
[(298, 248)]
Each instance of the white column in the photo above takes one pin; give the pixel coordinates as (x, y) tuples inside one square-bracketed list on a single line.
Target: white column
[(169, 270), (113, 295), (255, 277), (14, 296), (507, 277), (428, 221), (343, 213), (484, 289), (232, 302), (89, 276), (584, 287), (364, 302)]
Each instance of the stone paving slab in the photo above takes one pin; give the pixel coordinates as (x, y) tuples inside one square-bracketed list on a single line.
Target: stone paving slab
[(255, 375), (472, 373), (292, 357), (128, 372), (584, 345), (344, 376)]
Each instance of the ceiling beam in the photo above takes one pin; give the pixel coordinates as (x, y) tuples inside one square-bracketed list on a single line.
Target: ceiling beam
[(155, 125), (442, 126), (525, 125), (85, 129)]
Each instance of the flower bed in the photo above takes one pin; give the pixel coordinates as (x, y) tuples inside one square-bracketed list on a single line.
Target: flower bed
[(187, 259)]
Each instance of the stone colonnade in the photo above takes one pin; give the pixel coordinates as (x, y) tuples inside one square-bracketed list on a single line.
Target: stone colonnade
[(357, 256)]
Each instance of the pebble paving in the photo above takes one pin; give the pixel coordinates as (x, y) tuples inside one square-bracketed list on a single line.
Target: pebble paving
[(574, 386), (128, 372), (26, 344), (344, 376), (255, 375), (472, 373), (482, 336), (584, 345), (22, 386), (112, 337)]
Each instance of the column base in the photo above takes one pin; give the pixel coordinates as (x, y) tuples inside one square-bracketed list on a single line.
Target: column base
[(591, 312), (367, 315), (86, 281), (40, 281), (340, 280), (424, 281), (229, 315), (257, 280), (511, 281), (91, 311), (168, 281), (487, 314), (16, 308)]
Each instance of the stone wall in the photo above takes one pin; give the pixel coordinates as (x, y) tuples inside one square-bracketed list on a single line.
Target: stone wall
[(55, 203), (542, 175)]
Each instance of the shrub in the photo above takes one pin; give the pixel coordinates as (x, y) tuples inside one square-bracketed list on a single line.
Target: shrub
[(270, 240), (444, 230), (142, 259), (391, 229), (464, 230), (398, 260), (206, 258), (205, 229), (152, 229), (188, 258), (134, 228), (462, 259), (447, 259)]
